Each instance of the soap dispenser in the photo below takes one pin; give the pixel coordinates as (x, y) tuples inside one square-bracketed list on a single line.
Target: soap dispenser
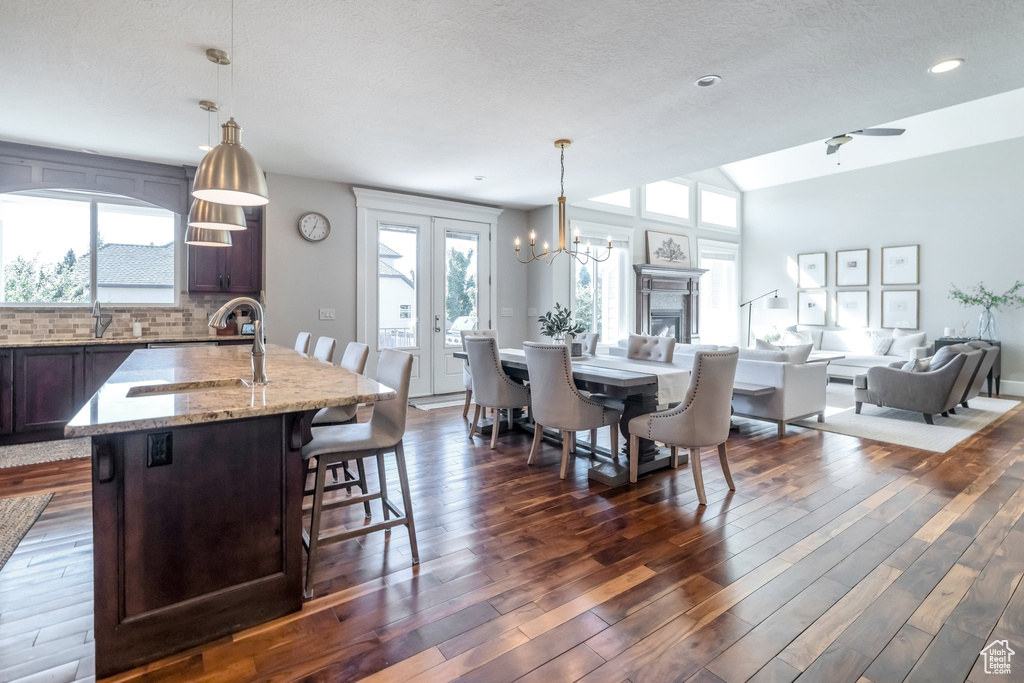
[(137, 329)]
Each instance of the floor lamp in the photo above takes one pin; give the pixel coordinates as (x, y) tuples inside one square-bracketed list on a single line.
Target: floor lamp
[(775, 302)]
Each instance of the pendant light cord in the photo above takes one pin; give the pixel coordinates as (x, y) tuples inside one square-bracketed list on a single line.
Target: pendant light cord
[(232, 58)]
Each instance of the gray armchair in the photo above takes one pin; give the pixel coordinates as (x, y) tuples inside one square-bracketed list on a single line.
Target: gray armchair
[(988, 360), (929, 393)]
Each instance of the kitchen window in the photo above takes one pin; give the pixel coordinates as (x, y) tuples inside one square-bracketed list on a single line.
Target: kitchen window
[(65, 247)]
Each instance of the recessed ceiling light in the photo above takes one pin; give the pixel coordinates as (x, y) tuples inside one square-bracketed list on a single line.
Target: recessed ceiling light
[(205, 148), (707, 81), (946, 65), (480, 177)]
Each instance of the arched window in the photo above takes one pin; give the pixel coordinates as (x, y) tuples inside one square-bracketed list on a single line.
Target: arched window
[(71, 247)]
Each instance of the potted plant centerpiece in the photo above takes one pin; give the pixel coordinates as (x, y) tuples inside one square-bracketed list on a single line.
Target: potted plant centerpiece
[(558, 325), (989, 301)]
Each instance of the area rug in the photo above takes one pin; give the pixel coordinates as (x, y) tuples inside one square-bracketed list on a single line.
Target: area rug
[(17, 515), (439, 401), (44, 451), (905, 428)]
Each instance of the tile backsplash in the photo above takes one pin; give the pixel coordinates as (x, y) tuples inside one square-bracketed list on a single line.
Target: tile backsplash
[(187, 319)]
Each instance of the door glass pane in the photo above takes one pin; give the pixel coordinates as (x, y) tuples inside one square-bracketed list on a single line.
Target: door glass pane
[(44, 249), (134, 254), (396, 286), (460, 284)]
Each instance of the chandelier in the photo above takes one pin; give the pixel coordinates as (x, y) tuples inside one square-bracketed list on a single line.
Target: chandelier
[(584, 255)]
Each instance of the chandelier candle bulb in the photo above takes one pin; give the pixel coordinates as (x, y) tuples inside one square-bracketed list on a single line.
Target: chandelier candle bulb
[(533, 238)]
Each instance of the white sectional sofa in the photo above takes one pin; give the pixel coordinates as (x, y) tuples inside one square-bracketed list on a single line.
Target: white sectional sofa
[(856, 345), (799, 389)]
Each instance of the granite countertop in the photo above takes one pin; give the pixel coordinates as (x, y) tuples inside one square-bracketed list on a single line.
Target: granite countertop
[(92, 341), (218, 388)]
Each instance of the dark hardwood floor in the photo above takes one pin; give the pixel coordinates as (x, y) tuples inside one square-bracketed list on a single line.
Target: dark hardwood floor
[(837, 559)]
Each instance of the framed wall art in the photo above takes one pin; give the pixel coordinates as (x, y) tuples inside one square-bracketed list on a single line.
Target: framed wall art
[(852, 308), (901, 265), (812, 307), (900, 308), (813, 270), (852, 268), (668, 249)]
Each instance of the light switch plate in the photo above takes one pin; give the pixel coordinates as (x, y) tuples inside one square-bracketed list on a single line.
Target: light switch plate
[(327, 314), (531, 312), (506, 313)]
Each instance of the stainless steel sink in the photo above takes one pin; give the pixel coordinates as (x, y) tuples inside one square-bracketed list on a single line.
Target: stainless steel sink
[(186, 387)]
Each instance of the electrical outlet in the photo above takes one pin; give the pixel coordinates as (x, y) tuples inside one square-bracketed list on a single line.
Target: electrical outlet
[(531, 312), (159, 451), (506, 313), (327, 314)]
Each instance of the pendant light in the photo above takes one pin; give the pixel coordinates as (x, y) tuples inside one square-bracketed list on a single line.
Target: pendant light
[(205, 237), (210, 215), (583, 256), (229, 174)]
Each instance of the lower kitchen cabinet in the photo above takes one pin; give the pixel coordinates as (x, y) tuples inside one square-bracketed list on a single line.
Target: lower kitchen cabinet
[(6, 391), (49, 386), (100, 363)]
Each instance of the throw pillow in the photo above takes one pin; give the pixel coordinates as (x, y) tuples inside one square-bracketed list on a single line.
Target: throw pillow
[(904, 342), (880, 343), (763, 345), (760, 354), (798, 355), (916, 365), (793, 337), (943, 356)]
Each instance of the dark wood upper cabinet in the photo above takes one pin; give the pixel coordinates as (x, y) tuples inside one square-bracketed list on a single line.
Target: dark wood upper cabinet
[(49, 386), (101, 362), (237, 269)]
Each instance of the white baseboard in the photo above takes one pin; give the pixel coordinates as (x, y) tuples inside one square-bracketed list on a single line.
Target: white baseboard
[(1008, 388)]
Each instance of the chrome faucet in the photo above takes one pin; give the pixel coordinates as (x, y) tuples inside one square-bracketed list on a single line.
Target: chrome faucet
[(102, 320), (259, 348)]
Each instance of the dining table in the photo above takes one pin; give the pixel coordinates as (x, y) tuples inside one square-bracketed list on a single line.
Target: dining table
[(636, 387)]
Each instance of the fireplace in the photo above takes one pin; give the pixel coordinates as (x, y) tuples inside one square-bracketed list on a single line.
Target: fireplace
[(667, 301), (667, 324)]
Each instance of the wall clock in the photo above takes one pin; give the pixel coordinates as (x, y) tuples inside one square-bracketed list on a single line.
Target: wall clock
[(314, 226)]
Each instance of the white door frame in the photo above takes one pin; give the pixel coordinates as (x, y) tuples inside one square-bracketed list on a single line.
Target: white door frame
[(428, 207)]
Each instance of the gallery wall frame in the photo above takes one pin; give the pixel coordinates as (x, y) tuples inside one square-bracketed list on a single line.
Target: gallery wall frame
[(901, 265), (853, 267), (812, 270)]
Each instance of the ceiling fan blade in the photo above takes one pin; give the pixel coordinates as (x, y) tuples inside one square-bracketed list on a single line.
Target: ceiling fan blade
[(831, 149), (879, 131)]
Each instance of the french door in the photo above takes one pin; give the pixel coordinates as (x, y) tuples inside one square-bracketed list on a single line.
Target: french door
[(430, 279)]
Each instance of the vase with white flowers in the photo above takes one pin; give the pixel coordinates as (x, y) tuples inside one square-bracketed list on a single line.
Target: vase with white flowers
[(558, 325), (989, 301)]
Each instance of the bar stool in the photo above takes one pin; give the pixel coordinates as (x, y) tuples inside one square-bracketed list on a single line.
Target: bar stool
[(382, 434), (558, 404), (353, 360), (491, 386), (700, 421), (324, 350), (302, 341)]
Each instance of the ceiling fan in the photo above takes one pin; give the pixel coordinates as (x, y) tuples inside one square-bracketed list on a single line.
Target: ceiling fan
[(835, 143)]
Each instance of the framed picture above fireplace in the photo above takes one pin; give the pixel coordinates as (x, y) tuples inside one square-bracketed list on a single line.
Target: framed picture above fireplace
[(668, 249)]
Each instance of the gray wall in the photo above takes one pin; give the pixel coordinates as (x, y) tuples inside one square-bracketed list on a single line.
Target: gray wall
[(965, 208), (302, 277)]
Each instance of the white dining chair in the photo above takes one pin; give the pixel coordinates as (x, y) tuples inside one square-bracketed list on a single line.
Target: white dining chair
[(467, 374), (302, 340), (589, 342), (492, 388), (701, 420), (650, 347), (555, 402), (324, 350), (381, 435)]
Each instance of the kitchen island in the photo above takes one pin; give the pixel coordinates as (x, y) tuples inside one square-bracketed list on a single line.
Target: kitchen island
[(197, 481)]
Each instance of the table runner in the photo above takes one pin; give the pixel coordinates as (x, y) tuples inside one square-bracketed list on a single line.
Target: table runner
[(672, 380)]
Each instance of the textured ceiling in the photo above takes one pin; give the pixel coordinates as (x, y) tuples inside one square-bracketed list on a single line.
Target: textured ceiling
[(990, 119), (424, 95)]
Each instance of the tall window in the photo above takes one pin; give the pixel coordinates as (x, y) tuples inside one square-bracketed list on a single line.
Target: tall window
[(601, 292), (719, 292), (69, 247)]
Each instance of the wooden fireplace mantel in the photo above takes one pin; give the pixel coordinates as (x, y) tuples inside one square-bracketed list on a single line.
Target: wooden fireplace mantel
[(682, 285)]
